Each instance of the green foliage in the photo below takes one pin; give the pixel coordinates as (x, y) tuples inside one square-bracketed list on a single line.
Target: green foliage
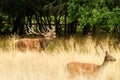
[(4, 27), (103, 12), (73, 11), (1, 18), (116, 16), (106, 13)]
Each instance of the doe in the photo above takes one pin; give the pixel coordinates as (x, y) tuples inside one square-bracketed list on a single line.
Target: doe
[(75, 68)]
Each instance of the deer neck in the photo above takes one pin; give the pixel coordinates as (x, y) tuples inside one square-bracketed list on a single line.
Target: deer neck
[(44, 43), (103, 64), (45, 40)]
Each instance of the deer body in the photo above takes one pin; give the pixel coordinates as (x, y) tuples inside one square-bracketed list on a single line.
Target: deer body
[(75, 68), (31, 44), (35, 43)]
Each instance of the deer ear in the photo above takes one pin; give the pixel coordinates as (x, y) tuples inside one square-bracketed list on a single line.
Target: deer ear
[(106, 52)]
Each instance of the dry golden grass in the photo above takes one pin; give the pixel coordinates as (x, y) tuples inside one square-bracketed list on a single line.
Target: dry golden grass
[(51, 64)]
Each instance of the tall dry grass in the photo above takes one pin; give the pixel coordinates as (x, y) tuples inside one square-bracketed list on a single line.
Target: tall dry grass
[(51, 63)]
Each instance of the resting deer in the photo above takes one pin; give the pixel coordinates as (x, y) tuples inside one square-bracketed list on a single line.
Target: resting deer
[(35, 43), (75, 68)]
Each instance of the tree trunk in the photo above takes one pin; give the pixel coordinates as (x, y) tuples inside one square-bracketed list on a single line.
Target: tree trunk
[(96, 30), (57, 26), (116, 31), (86, 29), (65, 26), (19, 25), (72, 27)]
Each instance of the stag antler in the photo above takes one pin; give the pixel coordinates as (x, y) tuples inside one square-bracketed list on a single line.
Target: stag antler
[(44, 33), (31, 31)]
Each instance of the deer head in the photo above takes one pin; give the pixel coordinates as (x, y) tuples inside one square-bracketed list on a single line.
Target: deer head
[(109, 57)]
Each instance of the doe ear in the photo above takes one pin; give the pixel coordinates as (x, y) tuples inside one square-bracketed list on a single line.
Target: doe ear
[(106, 52)]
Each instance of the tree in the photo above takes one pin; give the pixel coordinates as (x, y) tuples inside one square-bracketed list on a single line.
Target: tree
[(94, 15)]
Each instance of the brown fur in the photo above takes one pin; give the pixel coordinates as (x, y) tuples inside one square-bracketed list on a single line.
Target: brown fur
[(30, 44), (75, 68), (37, 44)]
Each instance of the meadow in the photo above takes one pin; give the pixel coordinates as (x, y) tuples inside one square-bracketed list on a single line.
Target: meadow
[(51, 64)]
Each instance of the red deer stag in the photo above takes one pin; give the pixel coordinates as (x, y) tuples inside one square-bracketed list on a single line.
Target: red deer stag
[(35, 43), (75, 68)]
